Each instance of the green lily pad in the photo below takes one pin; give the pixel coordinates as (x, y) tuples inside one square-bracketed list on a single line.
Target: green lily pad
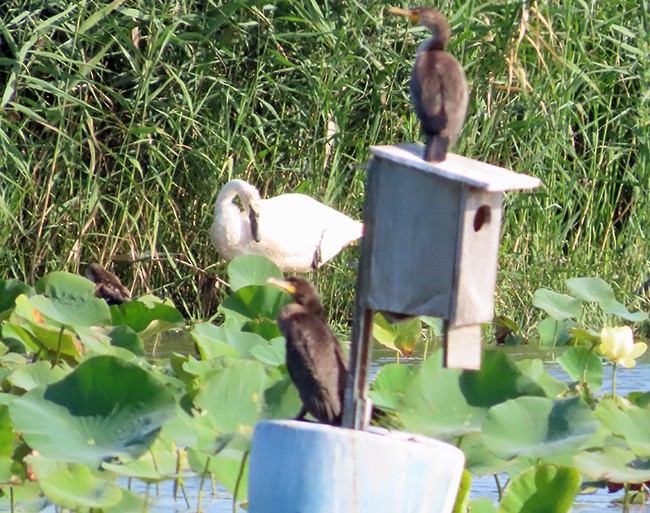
[(248, 270), (534, 369), (69, 299), (482, 505), (591, 289), (254, 302), (125, 337), (498, 380), (538, 427), (214, 341), (9, 291), (479, 460), (72, 485), (631, 422), (554, 333), (36, 374), (41, 336), (399, 336), (282, 400), (582, 365), (210, 343), (103, 409), (390, 384), (541, 489), (613, 464), (232, 399), (558, 306), (427, 410), (139, 314), (272, 353), (618, 309)]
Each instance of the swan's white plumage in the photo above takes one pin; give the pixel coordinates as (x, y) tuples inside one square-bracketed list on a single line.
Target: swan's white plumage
[(296, 232)]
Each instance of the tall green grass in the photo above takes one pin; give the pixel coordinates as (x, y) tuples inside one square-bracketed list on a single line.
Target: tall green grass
[(119, 122)]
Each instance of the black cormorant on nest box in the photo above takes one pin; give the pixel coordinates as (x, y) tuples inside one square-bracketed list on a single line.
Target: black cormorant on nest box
[(438, 86), (315, 360)]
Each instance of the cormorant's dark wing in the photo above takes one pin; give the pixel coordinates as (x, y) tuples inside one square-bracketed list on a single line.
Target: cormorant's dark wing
[(316, 364)]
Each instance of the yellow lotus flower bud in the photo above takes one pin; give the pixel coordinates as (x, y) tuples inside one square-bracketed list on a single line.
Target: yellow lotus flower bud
[(618, 345)]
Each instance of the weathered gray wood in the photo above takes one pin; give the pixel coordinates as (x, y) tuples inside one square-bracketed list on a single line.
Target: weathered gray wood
[(462, 347), (430, 247), (415, 222), (477, 258), (458, 168)]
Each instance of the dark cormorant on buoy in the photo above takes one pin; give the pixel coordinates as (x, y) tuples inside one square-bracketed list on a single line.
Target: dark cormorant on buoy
[(438, 86), (107, 285), (315, 360)]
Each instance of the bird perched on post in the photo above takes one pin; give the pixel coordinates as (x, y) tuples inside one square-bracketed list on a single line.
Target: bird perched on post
[(315, 360), (438, 85), (295, 231), (107, 285)]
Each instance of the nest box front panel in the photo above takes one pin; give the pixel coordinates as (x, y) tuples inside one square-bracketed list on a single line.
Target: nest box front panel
[(411, 240), (478, 253)]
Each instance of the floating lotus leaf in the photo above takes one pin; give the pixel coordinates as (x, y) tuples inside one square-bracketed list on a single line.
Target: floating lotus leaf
[(7, 437), (498, 380), (72, 485), (618, 309), (38, 335), (103, 409), (69, 299), (127, 338), (282, 400), (248, 270), (434, 403), (232, 398), (265, 328), (541, 489), (482, 505), (390, 384), (632, 423), (209, 340), (538, 427), (613, 464), (214, 341), (558, 306), (140, 314), (272, 353), (9, 291), (36, 374), (534, 369), (582, 365), (479, 460), (399, 336), (254, 302), (591, 289), (555, 333)]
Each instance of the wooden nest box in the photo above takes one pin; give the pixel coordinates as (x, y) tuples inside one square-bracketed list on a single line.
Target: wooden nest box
[(431, 241)]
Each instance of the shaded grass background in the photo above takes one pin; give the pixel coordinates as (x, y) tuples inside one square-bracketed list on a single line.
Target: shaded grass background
[(119, 122)]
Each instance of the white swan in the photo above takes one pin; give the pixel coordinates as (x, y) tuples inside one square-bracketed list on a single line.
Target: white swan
[(295, 231)]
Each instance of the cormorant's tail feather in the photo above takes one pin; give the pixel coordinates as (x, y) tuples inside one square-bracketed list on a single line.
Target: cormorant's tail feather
[(435, 149)]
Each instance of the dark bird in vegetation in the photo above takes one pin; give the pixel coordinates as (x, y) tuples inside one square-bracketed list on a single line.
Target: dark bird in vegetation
[(107, 285), (315, 360), (438, 85)]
